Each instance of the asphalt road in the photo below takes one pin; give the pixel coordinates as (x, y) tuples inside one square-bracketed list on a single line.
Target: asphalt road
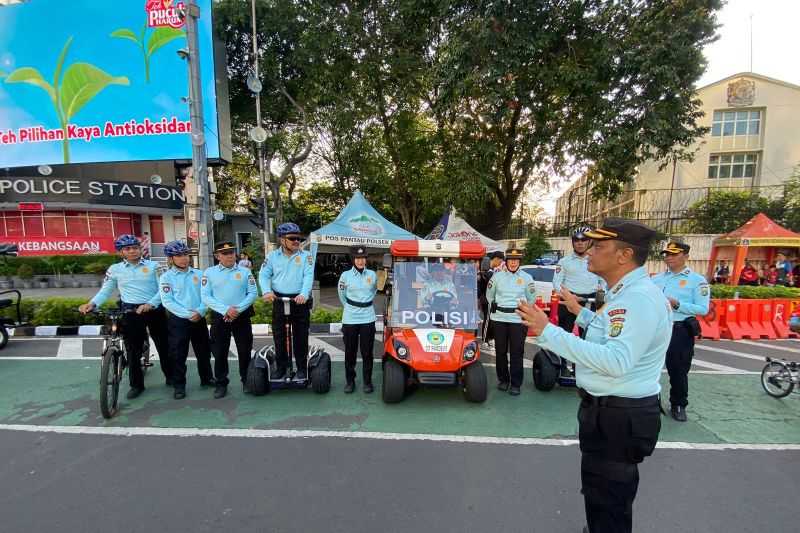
[(216, 484)]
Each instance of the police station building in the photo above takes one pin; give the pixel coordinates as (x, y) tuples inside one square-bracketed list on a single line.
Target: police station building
[(79, 209)]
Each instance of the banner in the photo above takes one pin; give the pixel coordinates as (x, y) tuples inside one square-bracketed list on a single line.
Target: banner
[(61, 245), (84, 82)]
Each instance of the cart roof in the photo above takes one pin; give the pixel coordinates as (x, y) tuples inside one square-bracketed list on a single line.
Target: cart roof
[(438, 248)]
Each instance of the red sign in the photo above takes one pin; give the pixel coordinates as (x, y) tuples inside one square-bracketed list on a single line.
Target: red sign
[(61, 245), (30, 206), (165, 13)]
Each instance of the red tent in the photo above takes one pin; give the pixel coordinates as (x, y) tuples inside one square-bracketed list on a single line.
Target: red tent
[(759, 231)]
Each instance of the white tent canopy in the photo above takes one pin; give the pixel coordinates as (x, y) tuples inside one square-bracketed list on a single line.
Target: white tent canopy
[(451, 227)]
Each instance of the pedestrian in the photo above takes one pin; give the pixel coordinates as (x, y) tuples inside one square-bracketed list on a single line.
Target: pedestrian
[(136, 279), (749, 275), (784, 269), (186, 317), (689, 295), (496, 259), (288, 272), (618, 368), (244, 261), (572, 273), (771, 277), (722, 273), (229, 291), (505, 291), (357, 289)]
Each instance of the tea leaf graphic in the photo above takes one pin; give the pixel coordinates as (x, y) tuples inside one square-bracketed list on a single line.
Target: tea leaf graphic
[(60, 63), (82, 82), (125, 33), (31, 76), (3, 74), (161, 37)]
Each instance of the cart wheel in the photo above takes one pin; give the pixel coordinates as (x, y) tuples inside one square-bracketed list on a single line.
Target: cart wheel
[(394, 381), (257, 381), (3, 336), (321, 374), (475, 386), (777, 379), (545, 373)]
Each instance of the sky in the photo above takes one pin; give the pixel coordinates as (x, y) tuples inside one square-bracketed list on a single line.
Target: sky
[(774, 49)]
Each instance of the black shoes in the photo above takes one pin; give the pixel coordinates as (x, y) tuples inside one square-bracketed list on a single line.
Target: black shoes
[(349, 388), (134, 393), (368, 388), (279, 374), (179, 394), (678, 413), (301, 374), (208, 383), (169, 383), (220, 391), (514, 391), (502, 386)]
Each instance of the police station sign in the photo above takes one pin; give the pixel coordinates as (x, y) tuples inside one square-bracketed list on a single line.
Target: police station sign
[(23, 189)]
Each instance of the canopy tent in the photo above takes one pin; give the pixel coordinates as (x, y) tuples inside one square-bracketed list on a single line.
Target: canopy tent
[(759, 231), (357, 224), (451, 227)]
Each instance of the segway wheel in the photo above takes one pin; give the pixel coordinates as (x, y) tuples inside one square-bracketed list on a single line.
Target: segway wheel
[(475, 385), (3, 336), (545, 373), (257, 381), (394, 381), (321, 374)]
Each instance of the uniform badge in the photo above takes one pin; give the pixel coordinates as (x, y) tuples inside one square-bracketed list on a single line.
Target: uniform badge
[(195, 280), (251, 280), (165, 288), (310, 260), (682, 283), (532, 287), (490, 285), (558, 269), (205, 281), (342, 285), (615, 312), (616, 289), (704, 290), (369, 280), (238, 276), (616, 328), (145, 270), (519, 281), (297, 260)]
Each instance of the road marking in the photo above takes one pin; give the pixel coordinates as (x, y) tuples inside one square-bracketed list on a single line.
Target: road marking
[(771, 346), (715, 366), (332, 350), (70, 349), (730, 352), (305, 434)]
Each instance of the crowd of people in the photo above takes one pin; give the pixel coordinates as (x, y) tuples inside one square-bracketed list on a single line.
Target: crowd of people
[(782, 272)]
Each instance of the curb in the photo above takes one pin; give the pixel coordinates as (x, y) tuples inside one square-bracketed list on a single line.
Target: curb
[(95, 331)]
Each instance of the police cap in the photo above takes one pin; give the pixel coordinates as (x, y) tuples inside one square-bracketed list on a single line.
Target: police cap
[(514, 253), (497, 255), (629, 231), (224, 246), (676, 248), (358, 251)]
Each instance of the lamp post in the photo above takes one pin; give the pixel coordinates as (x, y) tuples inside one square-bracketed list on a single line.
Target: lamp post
[(258, 134)]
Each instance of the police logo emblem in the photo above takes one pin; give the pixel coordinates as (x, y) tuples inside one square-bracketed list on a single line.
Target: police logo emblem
[(704, 290), (297, 260), (165, 288), (369, 280), (238, 275), (195, 280), (205, 281), (616, 328), (519, 281), (682, 283), (310, 260)]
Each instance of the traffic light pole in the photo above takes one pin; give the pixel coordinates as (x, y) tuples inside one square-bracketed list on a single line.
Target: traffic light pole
[(199, 159), (265, 233)]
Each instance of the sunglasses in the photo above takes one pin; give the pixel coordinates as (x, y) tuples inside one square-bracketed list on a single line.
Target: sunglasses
[(581, 239), (226, 252), (295, 239)]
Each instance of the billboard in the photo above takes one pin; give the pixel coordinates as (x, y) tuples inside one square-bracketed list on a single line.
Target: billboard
[(86, 81)]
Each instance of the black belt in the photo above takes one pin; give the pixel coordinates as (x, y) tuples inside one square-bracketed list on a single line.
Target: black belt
[(126, 306), (506, 309), (281, 295), (617, 401), (358, 304)]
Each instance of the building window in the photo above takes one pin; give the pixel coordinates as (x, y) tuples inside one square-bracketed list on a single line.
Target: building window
[(728, 123), (77, 223), (738, 165), (54, 224), (14, 226), (156, 229), (100, 224)]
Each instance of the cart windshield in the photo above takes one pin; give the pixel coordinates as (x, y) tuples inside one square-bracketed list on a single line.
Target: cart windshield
[(427, 293)]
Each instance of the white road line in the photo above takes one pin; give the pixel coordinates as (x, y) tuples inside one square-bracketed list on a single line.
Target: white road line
[(770, 346), (715, 366), (730, 352), (332, 350), (70, 349), (305, 434)]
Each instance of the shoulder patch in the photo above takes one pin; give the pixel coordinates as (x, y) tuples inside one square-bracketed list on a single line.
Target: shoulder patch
[(704, 290), (205, 281), (489, 286), (310, 260), (615, 312), (251, 280), (165, 288), (342, 285), (532, 287), (558, 269), (616, 328)]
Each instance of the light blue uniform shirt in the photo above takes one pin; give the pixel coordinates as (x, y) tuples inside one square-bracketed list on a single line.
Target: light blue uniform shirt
[(137, 284), (223, 287), (180, 292), (292, 274), (358, 287), (689, 288), (626, 340), (573, 273), (507, 289)]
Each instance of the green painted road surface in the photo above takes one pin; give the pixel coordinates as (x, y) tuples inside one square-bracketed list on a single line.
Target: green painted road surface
[(724, 409)]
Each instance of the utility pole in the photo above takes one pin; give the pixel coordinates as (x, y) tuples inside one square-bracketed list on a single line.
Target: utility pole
[(258, 134), (199, 159)]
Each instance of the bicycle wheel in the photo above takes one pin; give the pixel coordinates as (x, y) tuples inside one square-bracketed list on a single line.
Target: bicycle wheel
[(776, 379), (110, 378)]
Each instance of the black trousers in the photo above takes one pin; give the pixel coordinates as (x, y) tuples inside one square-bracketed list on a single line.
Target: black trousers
[(509, 339), (566, 320), (358, 336), (242, 332), (300, 318), (679, 361), (135, 331), (181, 332), (613, 441)]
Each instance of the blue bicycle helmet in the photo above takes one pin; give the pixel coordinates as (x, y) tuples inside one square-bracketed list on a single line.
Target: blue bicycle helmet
[(171, 249), (126, 240), (580, 232), (288, 228)]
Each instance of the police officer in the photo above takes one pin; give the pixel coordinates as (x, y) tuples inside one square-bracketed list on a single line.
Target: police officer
[(229, 291), (357, 289), (186, 320), (689, 295), (137, 281), (572, 273), (289, 272), (504, 292), (618, 367)]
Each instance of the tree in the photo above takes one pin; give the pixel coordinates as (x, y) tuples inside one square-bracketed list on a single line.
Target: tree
[(724, 211), (536, 245), (791, 217)]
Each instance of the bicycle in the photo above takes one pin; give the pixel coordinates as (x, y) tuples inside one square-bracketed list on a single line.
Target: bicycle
[(779, 377), (114, 361)]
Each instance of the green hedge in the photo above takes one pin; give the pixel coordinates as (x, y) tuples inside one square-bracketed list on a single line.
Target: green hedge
[(748, 292), (64, 312), (43, 265)]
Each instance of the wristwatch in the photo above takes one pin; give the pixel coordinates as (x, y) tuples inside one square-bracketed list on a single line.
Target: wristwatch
[(676, 305)]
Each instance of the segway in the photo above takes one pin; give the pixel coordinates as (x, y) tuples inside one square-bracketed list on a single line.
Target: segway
[(263, 365)]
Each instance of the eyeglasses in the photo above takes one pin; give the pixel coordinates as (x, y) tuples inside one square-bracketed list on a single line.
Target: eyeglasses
[(295, 239)]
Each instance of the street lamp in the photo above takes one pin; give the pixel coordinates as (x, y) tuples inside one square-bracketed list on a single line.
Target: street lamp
[(258, 134)]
